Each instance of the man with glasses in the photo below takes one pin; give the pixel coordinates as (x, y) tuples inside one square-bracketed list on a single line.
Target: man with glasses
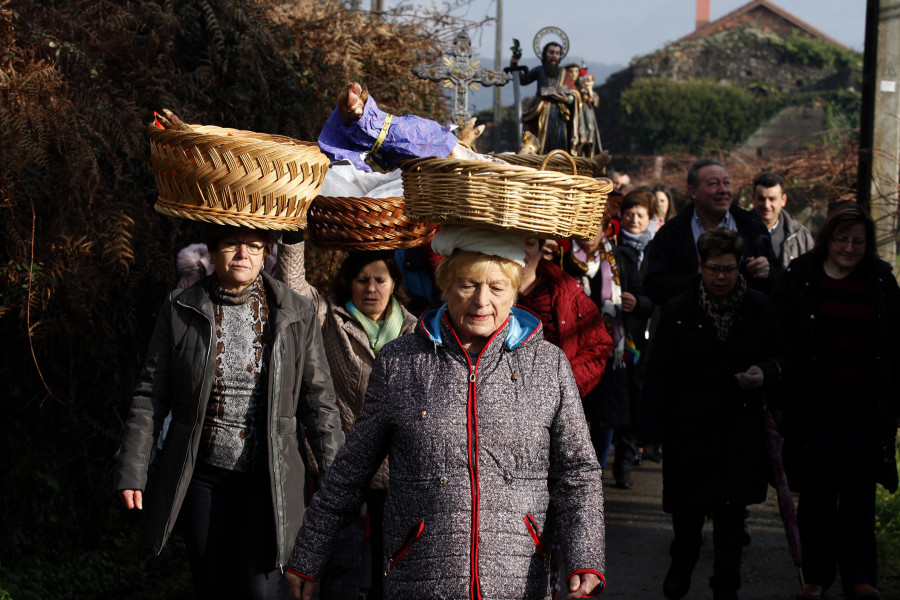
[(672, 255)]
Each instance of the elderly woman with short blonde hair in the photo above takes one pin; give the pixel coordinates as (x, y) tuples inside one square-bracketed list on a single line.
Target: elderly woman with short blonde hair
[(482, 423)]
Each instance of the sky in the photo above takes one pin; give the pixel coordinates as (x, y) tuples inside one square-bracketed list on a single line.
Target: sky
[(612, 32)]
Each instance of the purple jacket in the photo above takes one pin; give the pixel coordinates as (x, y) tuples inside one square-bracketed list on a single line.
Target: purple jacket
[(477, 452)]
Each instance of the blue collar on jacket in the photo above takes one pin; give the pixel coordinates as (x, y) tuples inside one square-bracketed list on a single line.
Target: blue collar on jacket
[(522, 325)]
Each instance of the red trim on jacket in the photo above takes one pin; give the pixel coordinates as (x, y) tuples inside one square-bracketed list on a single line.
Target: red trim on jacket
[(411, 537), (301, 575), (597, 590), (532, 526), (472, 449)]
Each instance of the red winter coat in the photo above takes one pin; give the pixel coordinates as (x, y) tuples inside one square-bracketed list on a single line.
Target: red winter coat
[(571, 321)]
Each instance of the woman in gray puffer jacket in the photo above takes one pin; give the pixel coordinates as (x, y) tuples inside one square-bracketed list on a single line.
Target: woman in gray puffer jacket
[(482, 422)]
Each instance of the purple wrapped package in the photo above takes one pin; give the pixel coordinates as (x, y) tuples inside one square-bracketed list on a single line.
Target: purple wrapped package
[(408, 136)]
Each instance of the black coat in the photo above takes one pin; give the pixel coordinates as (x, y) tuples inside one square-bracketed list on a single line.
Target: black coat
[(797, 298), (672, 255), (711, 430), (609, 404)]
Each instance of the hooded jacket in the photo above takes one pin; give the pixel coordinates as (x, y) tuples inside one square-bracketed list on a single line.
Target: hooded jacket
[(478, 449), (177, 377), (582, 335)]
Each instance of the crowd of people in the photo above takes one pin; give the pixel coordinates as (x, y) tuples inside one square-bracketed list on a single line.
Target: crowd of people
[(457, 404)]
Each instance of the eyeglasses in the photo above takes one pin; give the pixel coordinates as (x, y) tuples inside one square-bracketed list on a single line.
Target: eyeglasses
[(254, 248), (844, 241), (719, 270)]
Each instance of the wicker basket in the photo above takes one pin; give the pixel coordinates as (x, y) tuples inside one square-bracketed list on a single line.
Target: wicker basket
[(234, 177), (506, 198), (595, 166), (365, 224)]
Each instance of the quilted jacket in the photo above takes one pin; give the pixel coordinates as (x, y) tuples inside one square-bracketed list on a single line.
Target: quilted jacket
[(477, 453), (582, 335), (350, 357)]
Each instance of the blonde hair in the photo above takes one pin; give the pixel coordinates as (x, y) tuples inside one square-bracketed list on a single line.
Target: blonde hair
[(464, 264)]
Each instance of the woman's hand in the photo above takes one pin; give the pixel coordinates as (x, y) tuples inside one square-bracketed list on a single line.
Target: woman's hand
[(301, 589), (750, 379), (628, 302), (132, 499), (580, 585)]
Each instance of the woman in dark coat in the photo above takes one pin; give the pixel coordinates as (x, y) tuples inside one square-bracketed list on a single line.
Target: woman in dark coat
[(614, 283), (707, 368), (237, 359), (841, 307)]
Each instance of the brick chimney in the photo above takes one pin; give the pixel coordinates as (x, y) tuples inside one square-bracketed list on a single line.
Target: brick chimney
[(702, 13)]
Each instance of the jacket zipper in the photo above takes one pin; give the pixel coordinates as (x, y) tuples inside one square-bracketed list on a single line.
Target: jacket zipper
[(273, 434), (472, 450), (277, 491), (472, 420), (412, 536), (200, 402)]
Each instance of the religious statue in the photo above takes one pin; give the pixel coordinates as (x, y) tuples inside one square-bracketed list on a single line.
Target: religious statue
[(552, 115), (589, 132)]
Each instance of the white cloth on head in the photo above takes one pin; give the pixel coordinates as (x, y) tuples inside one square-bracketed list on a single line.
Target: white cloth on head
[(495, 243)]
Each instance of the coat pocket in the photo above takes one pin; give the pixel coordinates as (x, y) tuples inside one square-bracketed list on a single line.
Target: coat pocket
[(535, 533), (412, 536)]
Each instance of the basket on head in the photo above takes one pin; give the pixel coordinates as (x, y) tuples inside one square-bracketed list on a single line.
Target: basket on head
[(594, 166), (234, 177), (507, 198), (365, 224)]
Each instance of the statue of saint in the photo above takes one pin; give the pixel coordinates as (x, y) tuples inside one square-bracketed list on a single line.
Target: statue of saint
[(589, 132), (552, 115)]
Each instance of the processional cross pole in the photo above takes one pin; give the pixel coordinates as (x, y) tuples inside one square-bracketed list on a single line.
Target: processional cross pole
[(459, 71)]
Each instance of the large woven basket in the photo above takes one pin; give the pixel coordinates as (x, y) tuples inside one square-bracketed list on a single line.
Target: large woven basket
[(595, 166), (234, 177), (365, 224), (508, 198)]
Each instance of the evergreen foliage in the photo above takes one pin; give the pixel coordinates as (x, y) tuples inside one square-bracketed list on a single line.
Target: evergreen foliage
[(815, 52), (691, 116)]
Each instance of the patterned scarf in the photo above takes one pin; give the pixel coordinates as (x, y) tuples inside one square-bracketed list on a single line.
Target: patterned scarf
[(721, 312), (379, 332)]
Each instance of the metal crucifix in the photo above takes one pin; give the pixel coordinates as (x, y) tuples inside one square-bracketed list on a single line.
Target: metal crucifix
[(460, 71)]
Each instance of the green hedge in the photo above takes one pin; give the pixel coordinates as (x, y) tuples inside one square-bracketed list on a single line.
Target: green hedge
[(692, 116)]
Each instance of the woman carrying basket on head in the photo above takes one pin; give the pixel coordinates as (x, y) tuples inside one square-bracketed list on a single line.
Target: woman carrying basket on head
[(483, 425), (237, 359), (364, 312)]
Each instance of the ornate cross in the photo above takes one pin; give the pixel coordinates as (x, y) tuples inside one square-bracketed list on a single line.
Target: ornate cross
[(460, 71)]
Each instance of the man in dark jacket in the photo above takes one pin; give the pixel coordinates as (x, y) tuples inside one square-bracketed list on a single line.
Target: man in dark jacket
[(672, 256), (790, 239)]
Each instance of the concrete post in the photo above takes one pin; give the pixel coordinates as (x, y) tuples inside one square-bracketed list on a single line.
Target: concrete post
[(886, 131), (498, 66)]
